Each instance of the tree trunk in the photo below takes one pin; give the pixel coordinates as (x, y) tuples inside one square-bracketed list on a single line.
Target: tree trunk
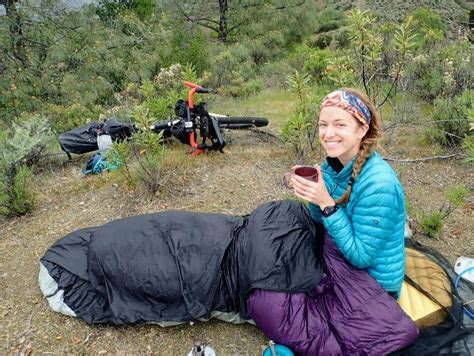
[(223, 30), (16, 32), (12, 14)]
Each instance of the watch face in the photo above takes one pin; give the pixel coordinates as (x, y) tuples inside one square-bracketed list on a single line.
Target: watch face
[(329, 210)]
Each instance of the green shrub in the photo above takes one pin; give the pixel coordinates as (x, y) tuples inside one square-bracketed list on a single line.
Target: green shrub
[(141, 158), (20, 149), (468, 147), (64, 118), (340, 72), (266, 48), (317, 62), (432, 223), (428, 25), (378, 53), (321, 40), (108, 10), (185, 49), (451, 119), (328, 26), (457, 195), (241, 88), (234, 71), (16, 197), (161, 94), (300, 130), (444, 70)]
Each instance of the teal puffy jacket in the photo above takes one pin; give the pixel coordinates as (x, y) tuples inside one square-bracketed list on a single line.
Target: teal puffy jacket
[(369, 229)]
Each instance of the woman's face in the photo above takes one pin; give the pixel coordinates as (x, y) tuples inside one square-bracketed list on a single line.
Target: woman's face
[(340, 133)]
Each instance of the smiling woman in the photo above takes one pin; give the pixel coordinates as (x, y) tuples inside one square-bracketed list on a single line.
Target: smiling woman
[(359, 199), (340, 134)]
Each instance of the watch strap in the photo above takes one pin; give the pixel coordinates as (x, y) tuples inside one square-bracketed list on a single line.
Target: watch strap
[(329, 210)]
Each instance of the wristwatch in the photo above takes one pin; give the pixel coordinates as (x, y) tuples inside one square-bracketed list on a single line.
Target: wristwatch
[(329, 210)]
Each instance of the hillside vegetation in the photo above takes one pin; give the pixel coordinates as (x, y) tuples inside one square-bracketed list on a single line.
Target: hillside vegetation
[(60, 69)]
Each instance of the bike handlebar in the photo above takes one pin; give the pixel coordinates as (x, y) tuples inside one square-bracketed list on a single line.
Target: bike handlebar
[(195, 89)]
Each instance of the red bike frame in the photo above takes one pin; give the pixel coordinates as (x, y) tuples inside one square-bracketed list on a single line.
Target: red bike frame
[(192, 135)]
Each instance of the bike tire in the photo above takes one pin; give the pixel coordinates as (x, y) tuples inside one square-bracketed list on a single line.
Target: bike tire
[(243, 122)]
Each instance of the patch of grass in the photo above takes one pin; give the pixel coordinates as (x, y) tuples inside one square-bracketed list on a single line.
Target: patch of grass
[(274, 104)]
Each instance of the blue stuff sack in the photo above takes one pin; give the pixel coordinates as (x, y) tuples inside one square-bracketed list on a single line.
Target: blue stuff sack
[(98, 163)]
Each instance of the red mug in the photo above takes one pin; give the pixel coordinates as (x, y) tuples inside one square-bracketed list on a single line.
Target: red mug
[(306, 172)]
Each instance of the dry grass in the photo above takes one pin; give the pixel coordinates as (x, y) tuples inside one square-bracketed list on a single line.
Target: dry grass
[(248, 174)]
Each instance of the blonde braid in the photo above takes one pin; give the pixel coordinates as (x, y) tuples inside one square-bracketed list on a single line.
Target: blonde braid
[(369, 141), (364, 153)]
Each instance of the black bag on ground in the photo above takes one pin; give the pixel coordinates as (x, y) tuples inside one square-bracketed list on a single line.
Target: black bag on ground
[(84, 139)]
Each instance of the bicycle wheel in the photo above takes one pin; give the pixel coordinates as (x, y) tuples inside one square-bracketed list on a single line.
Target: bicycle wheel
[(243, 122)]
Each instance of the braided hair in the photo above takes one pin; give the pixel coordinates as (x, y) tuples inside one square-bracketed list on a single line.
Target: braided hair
[(368, 143)]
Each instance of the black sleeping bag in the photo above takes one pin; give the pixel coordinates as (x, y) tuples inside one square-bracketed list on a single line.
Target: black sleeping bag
[(180, 266)]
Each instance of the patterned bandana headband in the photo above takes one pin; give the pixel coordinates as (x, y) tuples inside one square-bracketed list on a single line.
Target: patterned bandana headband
[(349, 102)]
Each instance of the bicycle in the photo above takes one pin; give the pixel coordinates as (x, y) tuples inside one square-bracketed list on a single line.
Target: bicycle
[(192, 118)]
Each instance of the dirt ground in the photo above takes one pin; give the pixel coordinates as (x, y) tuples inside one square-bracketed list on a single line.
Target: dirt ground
[(248, 174)]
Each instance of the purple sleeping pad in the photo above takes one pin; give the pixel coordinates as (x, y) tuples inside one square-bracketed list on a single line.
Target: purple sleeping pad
[(348, 314)]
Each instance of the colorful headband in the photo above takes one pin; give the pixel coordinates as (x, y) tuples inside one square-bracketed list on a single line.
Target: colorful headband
[(349, 102)]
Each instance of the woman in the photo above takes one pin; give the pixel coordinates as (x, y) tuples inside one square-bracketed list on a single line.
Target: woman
[(359, 201), (358, 197)]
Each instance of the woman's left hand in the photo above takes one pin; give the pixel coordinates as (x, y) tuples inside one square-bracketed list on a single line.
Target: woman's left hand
[(313, 192)]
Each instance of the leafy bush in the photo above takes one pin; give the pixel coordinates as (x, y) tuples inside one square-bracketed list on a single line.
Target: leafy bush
[(266, 48), (468, 147), (185, 49), (378, 53), (444, 69), (340, 71), (64, 118), (431, 223), (75, 59), (232, 67), (451, 118), (20, 150), (108, 10), (317, 62), (321, 40), (428, 25), (300, 130), (16, 197), (141, 158), (161, 94), (239, 87)]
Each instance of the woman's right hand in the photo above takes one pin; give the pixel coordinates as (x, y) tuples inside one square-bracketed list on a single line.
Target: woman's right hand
[(313, 192)]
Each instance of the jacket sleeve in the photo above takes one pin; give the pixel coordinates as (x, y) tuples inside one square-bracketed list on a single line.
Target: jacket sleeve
[(374, 218), (315, 213)]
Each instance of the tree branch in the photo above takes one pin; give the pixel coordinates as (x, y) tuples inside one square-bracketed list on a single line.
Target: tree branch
[(422, 159), (197, 20), (290, 6)]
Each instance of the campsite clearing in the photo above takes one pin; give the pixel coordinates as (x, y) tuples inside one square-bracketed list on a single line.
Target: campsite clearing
[(247, 174)]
